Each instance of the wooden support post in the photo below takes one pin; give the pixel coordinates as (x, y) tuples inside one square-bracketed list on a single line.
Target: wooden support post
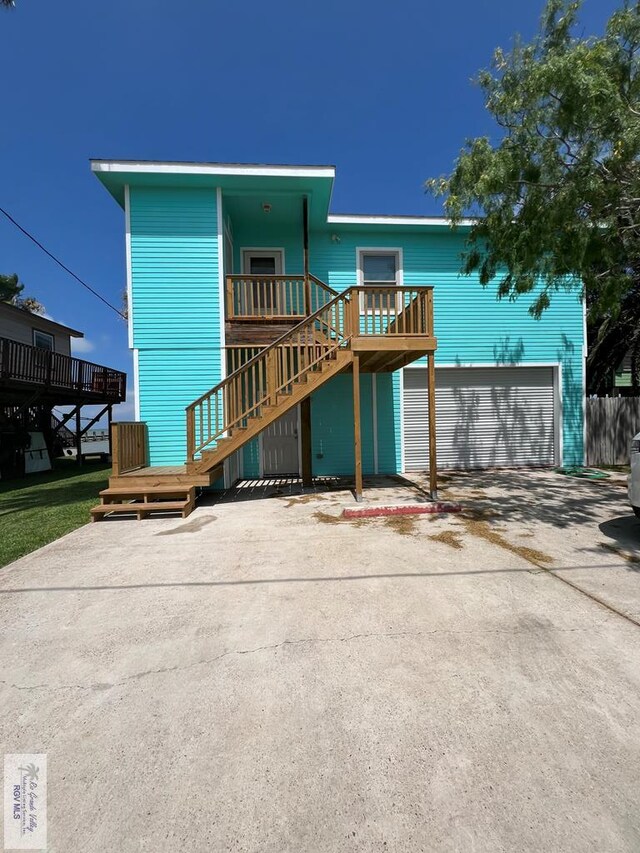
[(109, 421), (357, 444), (305, 442), (308, 308), (229, 298), (272, 376), (191, 434), (354, 309), (433, 470), (78, 435)]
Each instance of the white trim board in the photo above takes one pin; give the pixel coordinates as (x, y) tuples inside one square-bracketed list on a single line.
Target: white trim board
[(378, 219), (401, 391), (221, 279), (181, 168), (136, 384), (127, 246), (226, 465)]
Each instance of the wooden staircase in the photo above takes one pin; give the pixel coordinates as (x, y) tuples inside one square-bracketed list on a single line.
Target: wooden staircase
[(368, 329), (143, 501)]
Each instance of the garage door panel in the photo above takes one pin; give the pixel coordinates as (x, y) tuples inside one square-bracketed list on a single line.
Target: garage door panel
[(486, 417)]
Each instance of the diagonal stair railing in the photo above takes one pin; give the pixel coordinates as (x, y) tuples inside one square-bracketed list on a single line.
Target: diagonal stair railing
[(254, 388), (246, 392)]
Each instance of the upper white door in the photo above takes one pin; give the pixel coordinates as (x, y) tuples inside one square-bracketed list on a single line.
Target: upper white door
[(262, 261)]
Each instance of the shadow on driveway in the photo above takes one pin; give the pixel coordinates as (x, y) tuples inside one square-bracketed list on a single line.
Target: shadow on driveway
[(625, 531)]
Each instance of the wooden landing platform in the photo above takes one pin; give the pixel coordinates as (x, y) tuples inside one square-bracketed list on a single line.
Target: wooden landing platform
[(163, 475)]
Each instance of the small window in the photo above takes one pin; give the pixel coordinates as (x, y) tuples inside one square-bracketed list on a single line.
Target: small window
[(42, 340), (379, 269)]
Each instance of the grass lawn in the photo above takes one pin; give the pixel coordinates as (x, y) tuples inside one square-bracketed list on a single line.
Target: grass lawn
[(39, 508)]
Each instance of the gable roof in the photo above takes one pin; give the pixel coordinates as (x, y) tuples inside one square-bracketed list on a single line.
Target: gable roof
[(38, 321)]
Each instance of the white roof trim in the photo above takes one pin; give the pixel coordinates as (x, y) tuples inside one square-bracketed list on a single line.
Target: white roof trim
[(212, 169), (372, 219)]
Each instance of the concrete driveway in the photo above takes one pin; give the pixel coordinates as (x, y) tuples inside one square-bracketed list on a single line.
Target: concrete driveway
[(264, 676)]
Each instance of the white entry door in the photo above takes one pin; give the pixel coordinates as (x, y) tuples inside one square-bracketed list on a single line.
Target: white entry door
[(280, 446)]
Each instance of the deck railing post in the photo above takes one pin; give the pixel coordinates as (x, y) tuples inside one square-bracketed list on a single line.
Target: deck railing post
[(307, 296), (5, 369), (230, 300), (272, 376), (354, 319), (80, 379), (191, 434)]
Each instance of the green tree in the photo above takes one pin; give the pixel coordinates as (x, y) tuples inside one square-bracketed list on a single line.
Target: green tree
[(11, 289), (557, 194)]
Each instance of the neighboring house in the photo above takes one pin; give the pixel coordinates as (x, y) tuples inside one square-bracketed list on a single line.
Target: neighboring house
[(222, 259), (16, 324), (38, 373), (622, 379)]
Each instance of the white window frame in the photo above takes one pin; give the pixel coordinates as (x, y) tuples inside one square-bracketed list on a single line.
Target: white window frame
[(248, 252), (46, 335), (379, 250)]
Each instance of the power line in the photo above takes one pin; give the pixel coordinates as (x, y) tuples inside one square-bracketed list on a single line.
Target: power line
[(60, 264)]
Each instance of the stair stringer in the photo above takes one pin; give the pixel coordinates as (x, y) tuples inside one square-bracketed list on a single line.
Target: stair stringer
[(311, 381)]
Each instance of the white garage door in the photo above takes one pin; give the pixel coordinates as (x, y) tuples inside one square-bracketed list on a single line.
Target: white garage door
[(485, 417)]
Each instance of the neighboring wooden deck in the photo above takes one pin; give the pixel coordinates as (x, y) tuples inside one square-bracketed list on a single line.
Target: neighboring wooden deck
[(26, 371)]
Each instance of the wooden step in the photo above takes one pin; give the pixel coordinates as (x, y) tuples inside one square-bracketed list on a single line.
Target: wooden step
[(148, 493), (142, 509)]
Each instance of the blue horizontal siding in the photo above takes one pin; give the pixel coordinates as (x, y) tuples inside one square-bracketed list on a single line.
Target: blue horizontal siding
[(332, 426), (170, 379), (471, 324), (265, 235), (174, 267), (175, 309), (176, 324)]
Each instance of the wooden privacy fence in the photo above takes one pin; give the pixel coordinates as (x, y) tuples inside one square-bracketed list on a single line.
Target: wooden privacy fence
[(128, 446), (611, 424)]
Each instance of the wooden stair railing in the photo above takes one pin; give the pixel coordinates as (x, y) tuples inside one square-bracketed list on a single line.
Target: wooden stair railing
[(253, 392), (272, 298), (256, 385)]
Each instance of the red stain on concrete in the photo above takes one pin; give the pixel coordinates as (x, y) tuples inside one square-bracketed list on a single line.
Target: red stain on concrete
[(406, 509)]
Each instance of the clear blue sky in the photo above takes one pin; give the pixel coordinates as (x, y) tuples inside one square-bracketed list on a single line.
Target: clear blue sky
[(381, 90)]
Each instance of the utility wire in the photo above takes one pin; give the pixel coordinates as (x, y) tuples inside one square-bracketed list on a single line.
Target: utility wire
[(60, 264)]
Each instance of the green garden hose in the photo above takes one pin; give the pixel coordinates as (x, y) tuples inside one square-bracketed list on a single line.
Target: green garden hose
[(582, 473)]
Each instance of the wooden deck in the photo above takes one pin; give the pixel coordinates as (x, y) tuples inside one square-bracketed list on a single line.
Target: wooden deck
[(162, 475), (27, 370)]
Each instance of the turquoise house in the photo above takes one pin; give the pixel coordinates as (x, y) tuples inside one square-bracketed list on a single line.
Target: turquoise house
[(225, 261)]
